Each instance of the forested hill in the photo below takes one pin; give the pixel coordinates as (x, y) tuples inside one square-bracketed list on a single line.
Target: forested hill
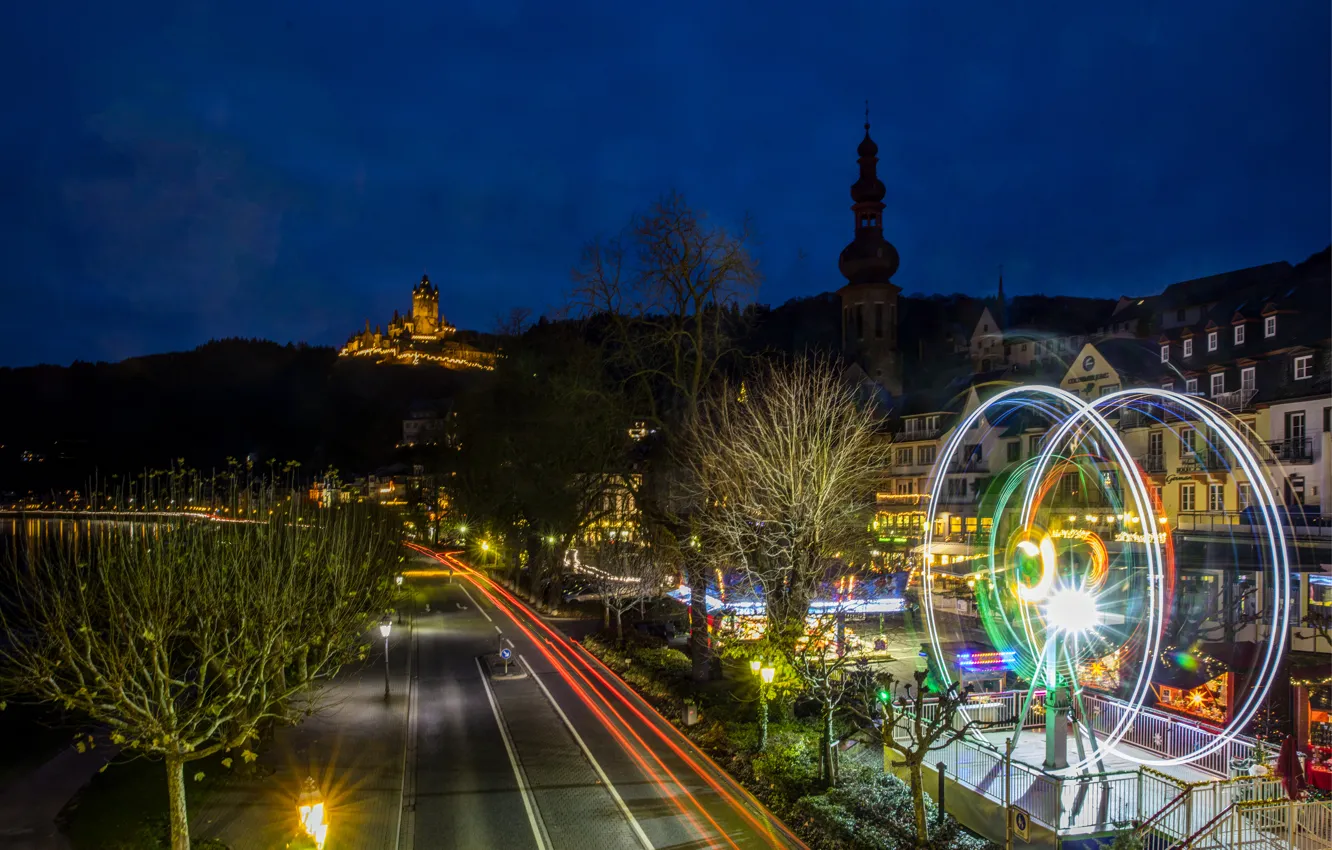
[(228, 398)]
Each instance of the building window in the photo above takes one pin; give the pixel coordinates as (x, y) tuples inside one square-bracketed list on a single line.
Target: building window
[(924, 455), (1295, 425), (1015, 451), (1157, 497), (1244, 492), (1248, 378), (1165, 353), (1295, 490), (1033, 445), (1216, 497), (1191, 386), (904, 457), (1211, 340), (1186, 502), (1188, 348), (1303, 367), (1269, 326), (1239, 334), (1168, 385), (878, 319), (1218, 383)]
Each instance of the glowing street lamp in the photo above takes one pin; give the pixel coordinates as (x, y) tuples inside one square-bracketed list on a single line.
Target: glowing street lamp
[(766, 675), (398, 581), (311, 813), (385, 626)]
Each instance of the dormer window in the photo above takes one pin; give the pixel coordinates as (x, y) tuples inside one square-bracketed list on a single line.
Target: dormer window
[(1165, 353), (1211, 340), (1304, 367), (1239, 334), (1269, 327), (1188, 348)]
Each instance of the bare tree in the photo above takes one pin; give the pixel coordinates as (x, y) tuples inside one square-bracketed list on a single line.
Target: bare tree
[(911, 723), (626, 573), (788, 470), (187, 638), (668, 291)]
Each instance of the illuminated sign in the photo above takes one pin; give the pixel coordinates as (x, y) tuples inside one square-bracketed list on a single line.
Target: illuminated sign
[(984, 660)]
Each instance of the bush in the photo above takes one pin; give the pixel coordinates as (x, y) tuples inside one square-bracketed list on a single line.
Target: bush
[(789, 768)]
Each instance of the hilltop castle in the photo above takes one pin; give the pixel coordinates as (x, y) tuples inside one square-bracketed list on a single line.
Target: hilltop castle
[(422, 337)]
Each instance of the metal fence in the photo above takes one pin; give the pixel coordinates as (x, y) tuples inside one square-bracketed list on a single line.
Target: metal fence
[(1167, 735), (1267, 825)]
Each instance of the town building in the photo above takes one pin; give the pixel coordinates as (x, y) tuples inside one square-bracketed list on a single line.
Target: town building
[(421, 337)]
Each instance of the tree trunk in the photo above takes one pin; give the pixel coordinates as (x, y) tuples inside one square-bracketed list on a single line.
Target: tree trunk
[(180, 821), (918, 803), (827, 754), (605, 613), (619, 627), (699, 648)]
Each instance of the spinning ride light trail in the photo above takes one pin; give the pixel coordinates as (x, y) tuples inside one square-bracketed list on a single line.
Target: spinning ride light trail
[(1056, 596)]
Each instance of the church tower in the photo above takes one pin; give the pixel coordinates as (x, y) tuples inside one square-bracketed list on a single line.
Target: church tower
[(869, 299), (425, 308)]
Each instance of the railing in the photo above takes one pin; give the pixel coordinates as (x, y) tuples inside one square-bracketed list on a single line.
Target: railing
[(1166, 734), (918, 434), (1265, 825), (973, 464), (1154, 462), (1249, 521), (1198, 803), (1211, 461), (1293, 450), (1235, 399), (1085, 803)]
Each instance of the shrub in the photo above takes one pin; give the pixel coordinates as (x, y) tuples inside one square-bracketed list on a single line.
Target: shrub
[(788, 769)]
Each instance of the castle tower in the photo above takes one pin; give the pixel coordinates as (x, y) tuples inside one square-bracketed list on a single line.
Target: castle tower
[(425, 308), (869, 299)]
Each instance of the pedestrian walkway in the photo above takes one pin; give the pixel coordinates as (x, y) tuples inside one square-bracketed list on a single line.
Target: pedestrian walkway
[(353, 748), (29, 804)]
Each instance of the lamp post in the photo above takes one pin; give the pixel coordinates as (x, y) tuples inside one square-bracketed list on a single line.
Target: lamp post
[(398, 582), (385, 626), (310, 811), (485, 550), (765, 675)]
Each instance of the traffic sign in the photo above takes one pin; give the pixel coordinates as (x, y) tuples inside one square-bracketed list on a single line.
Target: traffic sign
[(506, 653), (1021, 822)]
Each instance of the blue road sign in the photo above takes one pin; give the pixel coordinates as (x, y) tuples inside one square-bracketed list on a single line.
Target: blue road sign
[(506, 653)]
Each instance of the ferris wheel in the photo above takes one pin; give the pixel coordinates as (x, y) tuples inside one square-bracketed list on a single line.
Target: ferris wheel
[(1074, 566)]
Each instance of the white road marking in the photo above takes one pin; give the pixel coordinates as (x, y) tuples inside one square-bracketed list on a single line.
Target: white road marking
[(601, 774), (510, 643), (409, 749), (528, 803), (478, 607)]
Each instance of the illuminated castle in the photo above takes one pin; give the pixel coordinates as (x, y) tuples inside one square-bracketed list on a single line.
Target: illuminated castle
[(422, 337)]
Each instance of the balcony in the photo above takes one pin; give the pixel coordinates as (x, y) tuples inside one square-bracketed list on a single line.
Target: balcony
[(1154, 462), (1204, 461), (917, 434), (974, 464), (1235, 399), (1294, 450), (1249, 521)]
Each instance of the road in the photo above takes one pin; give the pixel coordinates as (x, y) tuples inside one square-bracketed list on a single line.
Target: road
[(564, 757)]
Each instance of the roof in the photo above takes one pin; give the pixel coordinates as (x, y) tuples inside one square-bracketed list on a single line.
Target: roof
[(1203, 290)]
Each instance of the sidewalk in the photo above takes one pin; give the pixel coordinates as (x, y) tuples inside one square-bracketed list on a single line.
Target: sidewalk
[(30, 803), (353, 747)]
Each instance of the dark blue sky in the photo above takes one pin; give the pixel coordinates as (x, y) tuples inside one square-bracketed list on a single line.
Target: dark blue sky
[(175, 171)]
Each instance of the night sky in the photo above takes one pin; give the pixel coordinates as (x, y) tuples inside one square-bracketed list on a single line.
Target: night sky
[(177, 171)]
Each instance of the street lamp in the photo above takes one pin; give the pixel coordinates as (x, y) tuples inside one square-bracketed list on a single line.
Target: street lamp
[(385, 626), (398, 582), (310, 810), (766, 675)]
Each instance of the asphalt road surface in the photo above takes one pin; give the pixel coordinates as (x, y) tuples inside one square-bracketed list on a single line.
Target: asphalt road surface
[(560, 757)]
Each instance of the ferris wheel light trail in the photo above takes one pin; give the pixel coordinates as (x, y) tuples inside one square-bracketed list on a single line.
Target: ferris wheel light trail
[(1072, 611)]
